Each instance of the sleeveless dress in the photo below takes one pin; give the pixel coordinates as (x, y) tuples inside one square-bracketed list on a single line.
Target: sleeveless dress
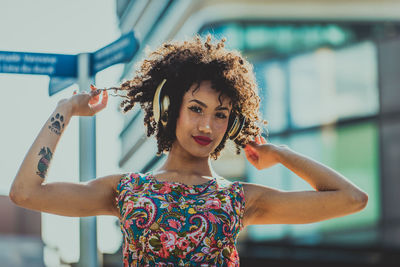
[(173, 224)]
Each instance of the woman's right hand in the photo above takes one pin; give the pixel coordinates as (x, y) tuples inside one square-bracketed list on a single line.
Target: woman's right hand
[(86, 104)]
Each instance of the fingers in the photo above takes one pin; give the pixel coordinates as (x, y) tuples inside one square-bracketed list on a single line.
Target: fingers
[(260, 140), (105, 97), (95, 93), (103, 103), (251, 150), (91, 100), (253, 145)]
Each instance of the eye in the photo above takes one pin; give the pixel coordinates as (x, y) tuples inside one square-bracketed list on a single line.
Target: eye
[(221, 115), (195, 109)]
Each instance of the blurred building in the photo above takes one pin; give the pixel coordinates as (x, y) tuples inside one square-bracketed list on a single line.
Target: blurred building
[(20, 242), (328, 72), (329, 78)]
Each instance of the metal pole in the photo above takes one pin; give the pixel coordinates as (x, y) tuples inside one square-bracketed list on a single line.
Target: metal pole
[(87, 169)]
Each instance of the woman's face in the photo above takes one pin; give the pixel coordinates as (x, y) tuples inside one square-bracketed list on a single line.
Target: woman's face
[(202, 116)]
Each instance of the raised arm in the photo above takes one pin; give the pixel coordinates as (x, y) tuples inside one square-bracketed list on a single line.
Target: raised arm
[(30, 189), (334, 195)]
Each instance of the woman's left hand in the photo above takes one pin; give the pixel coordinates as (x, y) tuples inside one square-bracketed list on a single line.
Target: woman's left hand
[(260, 154)]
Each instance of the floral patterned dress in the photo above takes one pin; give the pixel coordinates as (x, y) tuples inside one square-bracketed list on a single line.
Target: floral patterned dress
[(173, 224)]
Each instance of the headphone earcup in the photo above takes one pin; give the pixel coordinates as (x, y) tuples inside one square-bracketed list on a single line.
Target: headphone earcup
[(236, 124), (160, 108), (164, 106), (231, 121), (157, 101)]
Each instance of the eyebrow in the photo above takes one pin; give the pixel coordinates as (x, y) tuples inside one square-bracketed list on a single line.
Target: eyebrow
[(204, 105)]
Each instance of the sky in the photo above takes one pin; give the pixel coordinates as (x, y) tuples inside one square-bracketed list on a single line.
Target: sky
[(62, 27)]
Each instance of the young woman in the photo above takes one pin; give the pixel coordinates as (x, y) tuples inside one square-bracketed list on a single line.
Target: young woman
[(195, 95)]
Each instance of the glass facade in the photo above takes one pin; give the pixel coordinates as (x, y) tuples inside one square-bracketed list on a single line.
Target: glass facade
[(319, 91)]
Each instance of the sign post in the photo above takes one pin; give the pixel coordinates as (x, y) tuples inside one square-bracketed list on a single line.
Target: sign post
[(88, 252), (65, 70)]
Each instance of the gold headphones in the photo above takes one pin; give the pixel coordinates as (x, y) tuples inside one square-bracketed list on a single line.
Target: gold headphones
[(160, 111)]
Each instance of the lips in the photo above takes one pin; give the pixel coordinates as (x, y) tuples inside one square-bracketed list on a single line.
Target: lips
[(202, 140)]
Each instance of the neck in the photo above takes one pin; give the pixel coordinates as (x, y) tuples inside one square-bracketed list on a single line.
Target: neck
[(183, 163)]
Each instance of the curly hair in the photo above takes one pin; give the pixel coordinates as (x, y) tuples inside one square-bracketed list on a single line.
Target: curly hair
[(184, 63)]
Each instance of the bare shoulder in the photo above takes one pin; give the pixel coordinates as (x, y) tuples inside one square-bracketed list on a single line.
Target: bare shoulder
[(114, 179)]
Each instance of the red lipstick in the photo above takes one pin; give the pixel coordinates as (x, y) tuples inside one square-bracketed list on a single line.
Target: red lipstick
[(202, 140)]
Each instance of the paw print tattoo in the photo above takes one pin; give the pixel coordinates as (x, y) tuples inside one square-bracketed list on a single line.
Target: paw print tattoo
[(57, 124), (44, 161)]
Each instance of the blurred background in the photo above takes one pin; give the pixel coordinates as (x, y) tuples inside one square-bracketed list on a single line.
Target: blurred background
[(329, 77)]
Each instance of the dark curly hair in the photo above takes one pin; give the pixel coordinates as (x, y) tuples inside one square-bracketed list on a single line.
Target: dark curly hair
[(184, 63)]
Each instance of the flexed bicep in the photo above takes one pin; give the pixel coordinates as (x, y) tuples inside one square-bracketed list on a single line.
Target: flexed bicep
[(272, 206), (96, 197)]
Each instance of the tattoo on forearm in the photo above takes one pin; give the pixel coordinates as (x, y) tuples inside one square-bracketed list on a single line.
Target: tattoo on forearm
[(57, 124), (44, 161)]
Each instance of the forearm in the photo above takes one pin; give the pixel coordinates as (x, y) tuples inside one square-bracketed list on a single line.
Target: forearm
[(319, 176), (34, 168)]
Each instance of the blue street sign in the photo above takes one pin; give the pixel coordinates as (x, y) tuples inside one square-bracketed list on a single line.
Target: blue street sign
[(62, 69), (122, 50), (38, 63)]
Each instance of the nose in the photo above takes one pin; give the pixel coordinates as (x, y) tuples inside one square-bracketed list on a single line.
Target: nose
[(204, 125)]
